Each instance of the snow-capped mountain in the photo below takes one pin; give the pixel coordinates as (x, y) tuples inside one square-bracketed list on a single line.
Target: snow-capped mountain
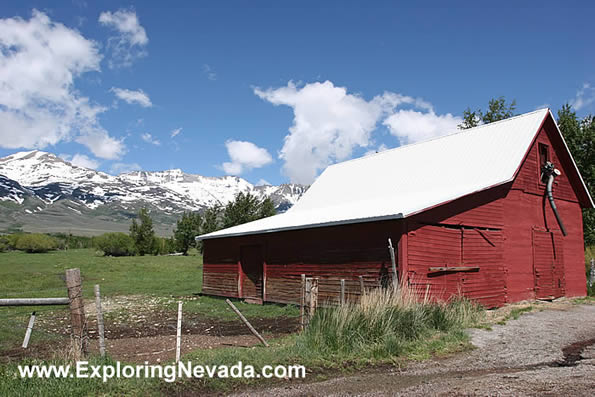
[(11, 190), (40, 183)]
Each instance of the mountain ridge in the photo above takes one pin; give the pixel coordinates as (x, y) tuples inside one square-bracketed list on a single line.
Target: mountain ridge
[(40, 191)]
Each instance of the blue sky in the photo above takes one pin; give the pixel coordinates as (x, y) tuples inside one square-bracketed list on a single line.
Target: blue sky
[(269, 91)]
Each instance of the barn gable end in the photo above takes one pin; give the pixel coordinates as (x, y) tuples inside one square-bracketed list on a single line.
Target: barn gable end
[(528, 216)]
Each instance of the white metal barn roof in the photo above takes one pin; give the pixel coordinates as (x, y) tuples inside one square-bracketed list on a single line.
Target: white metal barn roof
[(400, 182)]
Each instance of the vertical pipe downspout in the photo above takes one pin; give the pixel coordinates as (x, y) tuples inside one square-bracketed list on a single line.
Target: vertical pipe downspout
[(550, 197)]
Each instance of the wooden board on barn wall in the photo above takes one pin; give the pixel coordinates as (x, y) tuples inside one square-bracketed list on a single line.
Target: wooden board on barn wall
[(441, 246)]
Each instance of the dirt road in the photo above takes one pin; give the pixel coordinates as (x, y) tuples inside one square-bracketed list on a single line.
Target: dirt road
[(545, 353)]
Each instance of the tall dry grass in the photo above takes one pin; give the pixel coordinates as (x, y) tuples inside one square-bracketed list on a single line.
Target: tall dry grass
[(386, 323)]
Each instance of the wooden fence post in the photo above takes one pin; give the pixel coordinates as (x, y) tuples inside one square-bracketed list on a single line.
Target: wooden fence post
[(100, 327), (313, 298), (592, 273), (391, 250), (307, 294), (302, 301), (179, 333), (342, 295), (29, 329), (77, 308), (245, 321)]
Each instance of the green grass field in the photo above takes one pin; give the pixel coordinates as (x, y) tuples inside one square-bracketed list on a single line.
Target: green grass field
[(40, 275)]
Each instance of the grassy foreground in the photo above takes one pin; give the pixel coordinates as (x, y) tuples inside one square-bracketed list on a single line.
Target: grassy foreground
[(385, 328)]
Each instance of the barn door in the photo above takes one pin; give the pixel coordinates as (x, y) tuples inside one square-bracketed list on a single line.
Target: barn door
[(251, 275), (548, 264)]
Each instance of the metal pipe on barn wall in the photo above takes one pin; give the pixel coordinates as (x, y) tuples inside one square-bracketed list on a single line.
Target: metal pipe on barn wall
[(551, 173)]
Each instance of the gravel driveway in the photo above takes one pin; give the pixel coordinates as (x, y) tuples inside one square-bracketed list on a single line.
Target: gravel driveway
[(546, 353)]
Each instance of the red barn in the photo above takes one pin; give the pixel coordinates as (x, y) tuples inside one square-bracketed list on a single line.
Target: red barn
[(469, 213)]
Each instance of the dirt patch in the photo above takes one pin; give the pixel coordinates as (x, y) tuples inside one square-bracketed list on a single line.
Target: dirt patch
[(139, 329), (138, 316), (163, 323), (161, 349)]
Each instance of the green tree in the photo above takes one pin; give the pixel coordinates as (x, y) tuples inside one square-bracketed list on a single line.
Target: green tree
[(187, 228), (143, 234), (580, 138), (211, 219), (246, 208), (267, 208), (498, 109)]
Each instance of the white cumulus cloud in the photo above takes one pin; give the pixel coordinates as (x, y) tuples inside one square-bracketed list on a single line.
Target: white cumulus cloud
[(413, 126), (244, 156), (138, 97), (175, 132), (330, 123), (81, 160), (39, 105), (130, 41), (150, 139)]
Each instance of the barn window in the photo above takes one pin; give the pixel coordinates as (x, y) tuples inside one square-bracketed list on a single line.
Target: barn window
[(544, 154), (544, 157)]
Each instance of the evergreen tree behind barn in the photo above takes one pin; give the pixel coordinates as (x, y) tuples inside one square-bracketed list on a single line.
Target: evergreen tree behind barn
[(468, 213)]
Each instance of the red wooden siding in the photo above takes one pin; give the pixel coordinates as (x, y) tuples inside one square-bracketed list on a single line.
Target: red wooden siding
[(251, 275), (483, 249), (444, 246), (330, 253), (220, 279), (482, 209), (528, 178), (434, 246)]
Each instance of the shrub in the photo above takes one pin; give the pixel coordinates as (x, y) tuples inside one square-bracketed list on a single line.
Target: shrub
[(35, 243), (70, 241), (4, 244), (115, 244), (12, 240)]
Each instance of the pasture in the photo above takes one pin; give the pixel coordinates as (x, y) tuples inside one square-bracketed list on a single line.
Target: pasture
[(139, 295)]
